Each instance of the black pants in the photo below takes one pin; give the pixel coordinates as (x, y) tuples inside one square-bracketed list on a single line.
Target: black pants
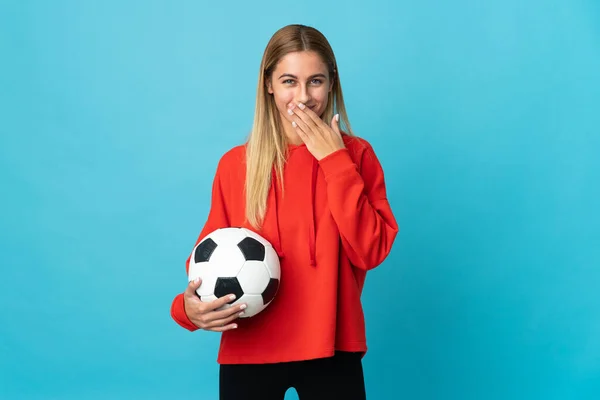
[(337, 377)]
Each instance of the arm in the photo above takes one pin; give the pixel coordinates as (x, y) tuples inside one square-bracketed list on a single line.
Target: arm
[(359, 206)]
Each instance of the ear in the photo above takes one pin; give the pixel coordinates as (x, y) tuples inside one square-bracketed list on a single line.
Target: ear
[(269, 87)]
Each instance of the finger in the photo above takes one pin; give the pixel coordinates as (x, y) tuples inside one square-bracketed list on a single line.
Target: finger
[(335, 124), (208, 306), (299, 124), (225, 313), (222, 328), (304, 132), (310, 114), (223, 321), (192, 286), (305, 138), (304, 117)]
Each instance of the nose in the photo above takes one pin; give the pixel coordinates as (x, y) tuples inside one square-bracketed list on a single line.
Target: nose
[(303, 95)]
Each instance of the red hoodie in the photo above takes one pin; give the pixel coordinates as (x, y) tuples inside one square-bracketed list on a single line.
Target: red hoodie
[(331, 225)]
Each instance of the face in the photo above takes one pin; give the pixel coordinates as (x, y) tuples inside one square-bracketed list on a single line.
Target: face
[(300, 77)]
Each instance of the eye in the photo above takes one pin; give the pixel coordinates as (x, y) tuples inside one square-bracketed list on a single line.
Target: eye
[(316, 81), (288, 81)]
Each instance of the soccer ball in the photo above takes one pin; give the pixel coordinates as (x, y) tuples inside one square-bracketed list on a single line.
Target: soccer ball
[(238, 261)]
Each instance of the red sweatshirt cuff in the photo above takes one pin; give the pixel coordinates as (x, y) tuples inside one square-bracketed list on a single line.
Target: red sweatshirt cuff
[(337, 162), (179, 315)]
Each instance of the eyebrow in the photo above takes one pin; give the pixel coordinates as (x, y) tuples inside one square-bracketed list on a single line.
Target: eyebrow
[(310, 77)]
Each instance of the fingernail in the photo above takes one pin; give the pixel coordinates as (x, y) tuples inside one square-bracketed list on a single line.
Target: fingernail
[(234, 326), (242, 313), (301, 106), (232, 297), (337, 117), (294, 124), (242, 306), (290, 111), (196, 280)]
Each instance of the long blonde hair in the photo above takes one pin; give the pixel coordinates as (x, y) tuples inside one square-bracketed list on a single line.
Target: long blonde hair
[(266, 146)]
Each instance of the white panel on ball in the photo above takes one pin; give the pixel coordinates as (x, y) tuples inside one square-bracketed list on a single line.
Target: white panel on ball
[(255, 304), (253, 277), (227, 235), (208, 272), (228, 257), (272, 260)]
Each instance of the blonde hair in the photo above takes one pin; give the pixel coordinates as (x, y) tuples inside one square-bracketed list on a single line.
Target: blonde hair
[(266, 146)]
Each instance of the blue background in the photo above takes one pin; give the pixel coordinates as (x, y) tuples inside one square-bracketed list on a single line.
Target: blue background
[(485, 116)]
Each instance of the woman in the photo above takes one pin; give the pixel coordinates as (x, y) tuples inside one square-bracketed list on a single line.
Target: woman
[(318, 195)]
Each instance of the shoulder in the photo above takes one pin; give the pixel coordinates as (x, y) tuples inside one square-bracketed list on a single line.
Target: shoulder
[(356, 143), (357, 146), (231, 167), (232, 158)]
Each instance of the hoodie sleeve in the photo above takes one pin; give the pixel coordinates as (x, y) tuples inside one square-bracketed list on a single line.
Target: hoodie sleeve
[(359, 206), (217, 218)]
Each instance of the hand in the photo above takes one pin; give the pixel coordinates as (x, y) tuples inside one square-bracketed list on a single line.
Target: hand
[(320, 139), (203, 314)]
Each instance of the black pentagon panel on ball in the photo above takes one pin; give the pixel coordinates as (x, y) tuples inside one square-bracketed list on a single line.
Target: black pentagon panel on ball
[(205, 250), (270, 291), (252, 249), (226, 286)]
